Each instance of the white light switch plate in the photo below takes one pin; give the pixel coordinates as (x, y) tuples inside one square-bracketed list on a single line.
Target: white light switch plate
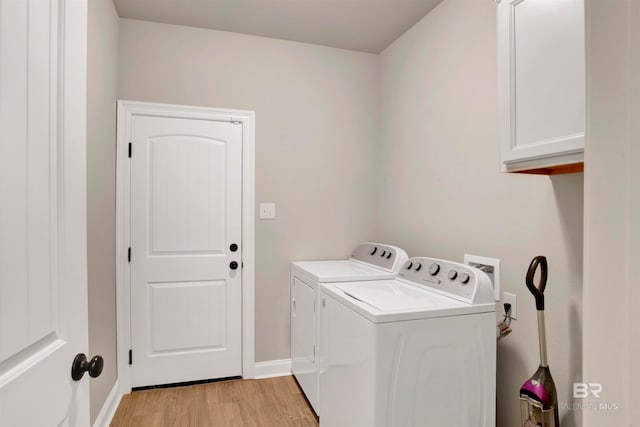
[(267, 210)]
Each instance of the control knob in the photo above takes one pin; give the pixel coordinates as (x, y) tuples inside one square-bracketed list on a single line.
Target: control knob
[(464, 278), (434, 269), (373, 250), (452, 274)]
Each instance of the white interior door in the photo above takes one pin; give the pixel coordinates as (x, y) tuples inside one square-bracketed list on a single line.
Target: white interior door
[(43, 293), (186, 192)]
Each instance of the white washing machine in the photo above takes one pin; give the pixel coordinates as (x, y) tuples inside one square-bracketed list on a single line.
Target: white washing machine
[(369, 261), (418, 350)]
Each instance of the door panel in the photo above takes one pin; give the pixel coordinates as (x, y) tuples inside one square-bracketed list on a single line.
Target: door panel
[(43, 307), (27, 181), (187, 315), (187, 195), (185, 213), (549, 70)]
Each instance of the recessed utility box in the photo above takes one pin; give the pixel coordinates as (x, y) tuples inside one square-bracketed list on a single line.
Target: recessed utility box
[(491, 266)]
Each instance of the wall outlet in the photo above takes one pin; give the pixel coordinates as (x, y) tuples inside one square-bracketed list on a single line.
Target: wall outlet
[(491, 266), (508, 298), (267, 210)]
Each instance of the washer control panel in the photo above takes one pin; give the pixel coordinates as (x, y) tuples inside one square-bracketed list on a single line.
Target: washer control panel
[(457, 280), (384, 256)]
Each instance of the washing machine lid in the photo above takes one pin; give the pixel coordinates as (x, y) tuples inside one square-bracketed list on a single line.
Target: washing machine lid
[(393, 301), (395, 296), (341, 271)]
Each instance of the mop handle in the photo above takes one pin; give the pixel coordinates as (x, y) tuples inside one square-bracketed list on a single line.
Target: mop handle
[(537, 291), (542, 336), (538, 294)]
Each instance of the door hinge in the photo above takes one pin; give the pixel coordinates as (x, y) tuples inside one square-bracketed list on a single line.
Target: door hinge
[(130, 357), (130, 148), (235, 122), (129, 254)]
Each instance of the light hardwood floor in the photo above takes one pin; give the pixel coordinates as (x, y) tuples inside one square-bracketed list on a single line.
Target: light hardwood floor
[(269, 402)]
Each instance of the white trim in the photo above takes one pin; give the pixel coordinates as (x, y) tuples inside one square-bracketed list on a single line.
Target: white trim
[(272, 368), (126, 109), (109, 407), (544, 162)]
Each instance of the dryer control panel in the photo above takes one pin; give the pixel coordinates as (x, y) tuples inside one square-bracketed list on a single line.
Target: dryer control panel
[(388, 257), (459, 281)]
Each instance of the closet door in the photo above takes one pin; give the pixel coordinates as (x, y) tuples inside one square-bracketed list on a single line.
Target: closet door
[(43, 289)]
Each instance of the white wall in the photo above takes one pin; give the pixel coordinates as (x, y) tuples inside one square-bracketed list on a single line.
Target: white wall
[(102, 74), (316, 130), (634, 210), (612, 207), (443, 195)]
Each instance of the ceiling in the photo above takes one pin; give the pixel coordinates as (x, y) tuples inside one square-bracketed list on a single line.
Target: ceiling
[(363, 25)]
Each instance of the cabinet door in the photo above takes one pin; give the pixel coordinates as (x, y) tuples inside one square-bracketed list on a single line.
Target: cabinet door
[(541, 54)]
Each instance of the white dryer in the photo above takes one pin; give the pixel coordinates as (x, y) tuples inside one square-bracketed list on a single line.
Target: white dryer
[(418, 350), (368, 261)]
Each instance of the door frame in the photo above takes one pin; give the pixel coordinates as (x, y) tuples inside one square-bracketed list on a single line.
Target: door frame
[(126, 110)]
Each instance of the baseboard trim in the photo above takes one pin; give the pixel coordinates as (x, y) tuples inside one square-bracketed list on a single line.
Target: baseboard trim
[(109, 408), (272, 368)]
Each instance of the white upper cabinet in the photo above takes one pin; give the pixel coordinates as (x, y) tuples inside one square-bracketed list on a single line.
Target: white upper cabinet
[(541, 74)]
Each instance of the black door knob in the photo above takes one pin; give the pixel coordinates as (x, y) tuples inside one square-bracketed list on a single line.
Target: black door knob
[(81, 365), (233, 265), (233, 247)]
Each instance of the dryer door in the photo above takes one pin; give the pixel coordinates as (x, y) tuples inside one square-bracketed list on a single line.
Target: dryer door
[(303, 339)]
